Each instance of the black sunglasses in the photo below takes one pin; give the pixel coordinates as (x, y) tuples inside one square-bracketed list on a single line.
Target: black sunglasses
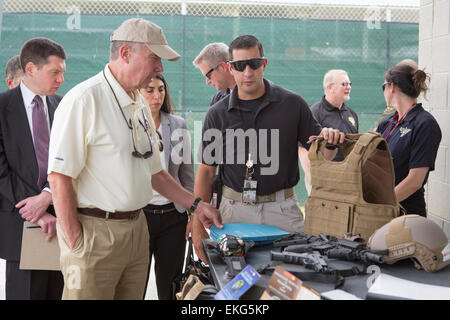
[(208, 74), (148, 132), (147, 129), (346, 84), (129, 124), (160, 143), (384, 85), (240, 65)]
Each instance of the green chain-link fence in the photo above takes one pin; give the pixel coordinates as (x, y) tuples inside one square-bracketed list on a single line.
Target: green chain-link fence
[(302, 42)]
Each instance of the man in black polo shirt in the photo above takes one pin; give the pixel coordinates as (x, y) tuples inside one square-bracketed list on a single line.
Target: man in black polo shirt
[(332, 112), (254, 132)]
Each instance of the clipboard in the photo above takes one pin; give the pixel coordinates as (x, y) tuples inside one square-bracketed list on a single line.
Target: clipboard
[(37, 253)]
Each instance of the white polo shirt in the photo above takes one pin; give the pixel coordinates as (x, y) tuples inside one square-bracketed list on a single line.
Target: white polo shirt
[(91, 142)]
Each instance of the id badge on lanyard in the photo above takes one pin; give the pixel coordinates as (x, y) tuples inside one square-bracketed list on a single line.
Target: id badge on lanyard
[(250, 184)]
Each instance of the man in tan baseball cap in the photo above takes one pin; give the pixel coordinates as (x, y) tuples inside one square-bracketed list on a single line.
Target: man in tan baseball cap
[(104, 164), (143, 31)]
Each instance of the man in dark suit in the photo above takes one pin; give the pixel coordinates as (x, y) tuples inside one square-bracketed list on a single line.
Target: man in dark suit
[(26, 115)]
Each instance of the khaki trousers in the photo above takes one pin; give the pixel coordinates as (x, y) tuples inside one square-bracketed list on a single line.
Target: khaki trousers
[(108, 261), (282, 213)]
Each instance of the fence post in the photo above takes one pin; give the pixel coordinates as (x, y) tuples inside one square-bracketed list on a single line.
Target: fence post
[(388, 38), (1, 17)]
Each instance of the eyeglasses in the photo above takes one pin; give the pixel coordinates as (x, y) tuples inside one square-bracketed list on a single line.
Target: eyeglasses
[(346, 84), (147, 129), (240, 65), (208, 74), (129, 124), (160, 143), (148, 132), (384, 85)]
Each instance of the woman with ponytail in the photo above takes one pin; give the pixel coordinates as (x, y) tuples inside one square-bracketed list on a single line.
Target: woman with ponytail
[(412, 133)]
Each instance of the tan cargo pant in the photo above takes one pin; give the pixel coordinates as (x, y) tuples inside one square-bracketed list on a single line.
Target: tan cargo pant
[(108, 261), (283, 213)]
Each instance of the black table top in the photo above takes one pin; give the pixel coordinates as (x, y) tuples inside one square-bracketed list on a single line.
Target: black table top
[(356, 285)]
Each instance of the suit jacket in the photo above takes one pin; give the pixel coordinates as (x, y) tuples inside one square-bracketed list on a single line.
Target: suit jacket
[(18, 167), (175, 141)]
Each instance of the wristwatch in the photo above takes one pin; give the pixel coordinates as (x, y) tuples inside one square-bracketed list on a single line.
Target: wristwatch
[(191, 210)]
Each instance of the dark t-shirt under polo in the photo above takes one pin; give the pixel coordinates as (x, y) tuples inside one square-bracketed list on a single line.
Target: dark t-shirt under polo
[(281, 118), (344, 119)]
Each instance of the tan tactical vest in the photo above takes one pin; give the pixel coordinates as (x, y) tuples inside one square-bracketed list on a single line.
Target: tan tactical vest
[(355, 195)]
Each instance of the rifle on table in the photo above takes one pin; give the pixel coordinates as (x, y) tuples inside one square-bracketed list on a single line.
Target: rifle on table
[(294, 239), (313, 261), (312, 252), (336, 249)]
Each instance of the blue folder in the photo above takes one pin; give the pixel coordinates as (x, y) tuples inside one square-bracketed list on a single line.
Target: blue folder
[(259, 233)]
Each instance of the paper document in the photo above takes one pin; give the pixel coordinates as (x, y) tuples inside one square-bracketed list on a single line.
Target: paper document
[(389, 287), (283, 285), (338, 294), (37, 253)]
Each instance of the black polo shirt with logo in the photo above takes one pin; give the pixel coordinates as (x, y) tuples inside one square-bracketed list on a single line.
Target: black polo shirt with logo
[(220, 95), (281, 118), (344, 119), (413, 144)]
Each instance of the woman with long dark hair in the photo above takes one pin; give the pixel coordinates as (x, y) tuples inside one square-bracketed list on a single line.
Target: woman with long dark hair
[(412, 133), (166, 220)]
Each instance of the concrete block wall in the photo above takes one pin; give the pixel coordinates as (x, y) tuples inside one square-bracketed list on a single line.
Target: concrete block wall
[(434, 56)]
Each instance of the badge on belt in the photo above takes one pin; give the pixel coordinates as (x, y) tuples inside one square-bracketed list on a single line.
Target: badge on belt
[(250, 184)]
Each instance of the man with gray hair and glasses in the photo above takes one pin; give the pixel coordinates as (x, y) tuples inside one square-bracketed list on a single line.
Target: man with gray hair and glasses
[(212, 62), (104, 164), (14, 72), (332, 112)]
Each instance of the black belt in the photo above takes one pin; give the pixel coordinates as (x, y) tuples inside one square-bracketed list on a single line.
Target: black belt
[(160, 209)]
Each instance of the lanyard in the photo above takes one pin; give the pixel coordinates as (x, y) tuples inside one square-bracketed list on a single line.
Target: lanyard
[(399, 120)]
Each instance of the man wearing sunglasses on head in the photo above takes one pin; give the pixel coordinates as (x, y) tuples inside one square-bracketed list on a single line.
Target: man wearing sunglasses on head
[(250, 194), (104, 164), (212, 62), (332, 112)]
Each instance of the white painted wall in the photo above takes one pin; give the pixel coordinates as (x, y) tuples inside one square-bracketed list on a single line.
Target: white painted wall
[(434, 56)]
